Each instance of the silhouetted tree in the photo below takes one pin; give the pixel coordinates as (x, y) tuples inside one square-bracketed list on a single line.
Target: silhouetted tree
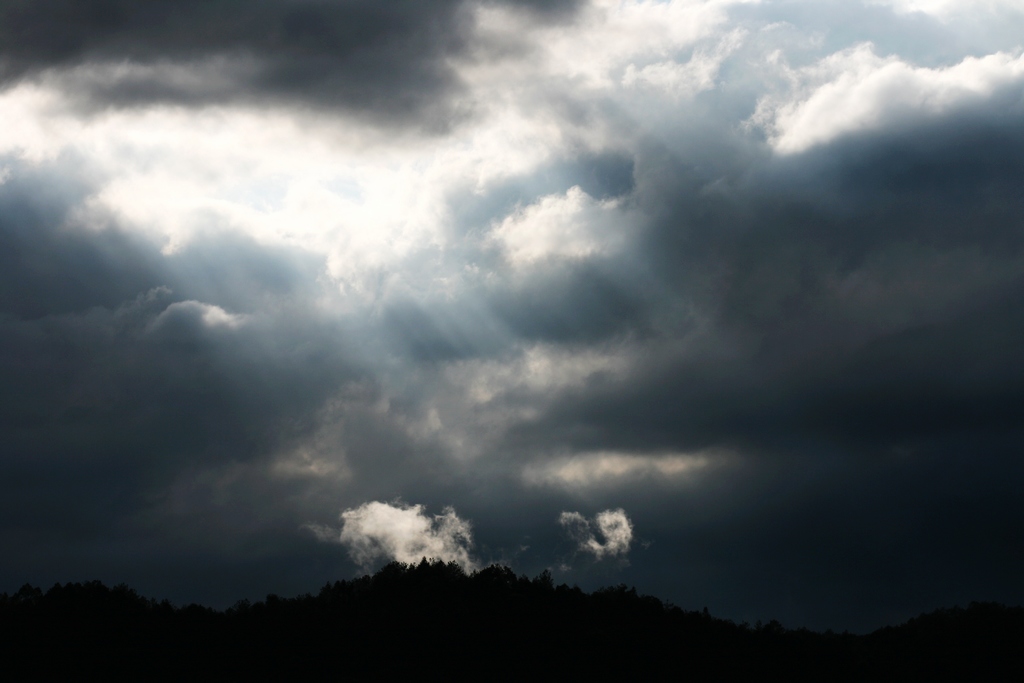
[(428, 616)]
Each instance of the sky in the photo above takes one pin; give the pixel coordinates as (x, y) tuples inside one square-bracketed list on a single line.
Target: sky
[(722, 299)]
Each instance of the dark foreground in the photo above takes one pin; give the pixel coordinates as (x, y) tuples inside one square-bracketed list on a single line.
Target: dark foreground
[(433, 621)]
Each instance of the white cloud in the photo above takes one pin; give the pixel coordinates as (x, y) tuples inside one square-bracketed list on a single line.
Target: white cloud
[(375, 531), (613, 526), (610, 34), (474, 402), (364, 200), (856, 90), (573, 225), (687, 78), (610, 468), (372, 200), (192, 312), (538, 370)]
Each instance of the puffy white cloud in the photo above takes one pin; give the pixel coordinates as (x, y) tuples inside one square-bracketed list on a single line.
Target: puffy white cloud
[(613, 526), (857, 90), (375, 531), (573, 225)]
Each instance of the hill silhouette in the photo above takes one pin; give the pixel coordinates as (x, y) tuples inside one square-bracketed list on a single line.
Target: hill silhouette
[(432, 620)]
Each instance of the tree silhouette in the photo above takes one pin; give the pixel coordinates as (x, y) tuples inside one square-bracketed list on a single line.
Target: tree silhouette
[(432, 617)]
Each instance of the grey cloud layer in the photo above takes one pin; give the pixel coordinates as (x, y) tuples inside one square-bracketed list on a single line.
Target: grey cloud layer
[(888, 311), (121, 372), (835, 332), (387, 59)]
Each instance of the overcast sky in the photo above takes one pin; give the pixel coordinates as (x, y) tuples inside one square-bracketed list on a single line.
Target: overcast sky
[(723, 299)]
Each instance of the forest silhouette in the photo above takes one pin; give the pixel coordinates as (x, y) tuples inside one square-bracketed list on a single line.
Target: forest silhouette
[(433, 620)]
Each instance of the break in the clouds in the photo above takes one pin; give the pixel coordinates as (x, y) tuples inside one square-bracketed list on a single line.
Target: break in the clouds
[(752, 271)]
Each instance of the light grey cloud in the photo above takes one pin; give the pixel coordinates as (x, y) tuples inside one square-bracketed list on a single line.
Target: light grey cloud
[(858, 90), (378, 531), (612, 526)]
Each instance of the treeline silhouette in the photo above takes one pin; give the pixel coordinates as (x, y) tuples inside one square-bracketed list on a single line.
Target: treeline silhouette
[(432, 620)]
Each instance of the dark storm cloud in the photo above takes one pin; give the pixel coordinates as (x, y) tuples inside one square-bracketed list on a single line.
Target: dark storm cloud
[(852, 329), (123, 372), (868, 289), (838, 329), (836, 542), (388, 58), (48, 269), (571, 304)]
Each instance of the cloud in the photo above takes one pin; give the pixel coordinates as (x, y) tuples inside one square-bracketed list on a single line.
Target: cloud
[(569, 226), (254, 272), (191, 313), (855, 90), (363, 56), (375, 531), (948, 9), (688, 78), (589, 470), (609, 35), (143, 365), (613, 526)]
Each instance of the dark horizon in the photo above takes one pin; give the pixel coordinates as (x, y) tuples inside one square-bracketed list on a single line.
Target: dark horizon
[(428, 580), (721, 299), (413, 617)]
